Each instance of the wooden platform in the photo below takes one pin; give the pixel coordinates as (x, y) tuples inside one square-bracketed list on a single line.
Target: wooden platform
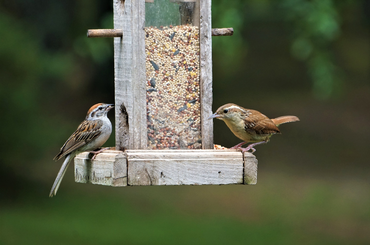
[(167, 167)]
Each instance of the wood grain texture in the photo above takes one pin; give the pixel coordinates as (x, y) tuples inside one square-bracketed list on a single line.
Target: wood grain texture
[(222, 31), (167, 167), (250, 169), (129, 71), (104, 33), (206, 73), (184, 167), (108, 168)]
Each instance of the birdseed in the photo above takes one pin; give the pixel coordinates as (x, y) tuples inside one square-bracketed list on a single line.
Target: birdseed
[(173, 91)]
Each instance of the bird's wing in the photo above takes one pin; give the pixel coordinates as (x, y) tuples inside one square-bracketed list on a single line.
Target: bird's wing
[(259, 124), (86, 132)]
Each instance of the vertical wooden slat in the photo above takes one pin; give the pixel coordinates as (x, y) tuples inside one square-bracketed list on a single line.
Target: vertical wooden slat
[(250, 169), (129, 71), (206, 73)]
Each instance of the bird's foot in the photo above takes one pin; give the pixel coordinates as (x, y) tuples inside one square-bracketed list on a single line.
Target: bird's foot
[(238, 146), (98, 152), (251, 147)]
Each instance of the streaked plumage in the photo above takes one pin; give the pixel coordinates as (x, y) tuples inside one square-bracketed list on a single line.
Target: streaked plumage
[(251, 126), (91, 134)]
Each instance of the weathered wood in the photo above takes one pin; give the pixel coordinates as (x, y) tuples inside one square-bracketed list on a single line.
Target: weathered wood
[(135, 165), (184, 167), (129, 80), (108, 168), (119, 32), (222, 31), (206, 73), (250, 169), (166, 167), (104, 33), (183, 1)]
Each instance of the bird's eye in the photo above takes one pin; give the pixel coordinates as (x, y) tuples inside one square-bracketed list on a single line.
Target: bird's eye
[(100, 108), (226, 110)]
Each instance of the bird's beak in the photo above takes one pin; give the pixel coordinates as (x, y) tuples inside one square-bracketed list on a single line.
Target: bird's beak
[(110, 106), (214, 116)]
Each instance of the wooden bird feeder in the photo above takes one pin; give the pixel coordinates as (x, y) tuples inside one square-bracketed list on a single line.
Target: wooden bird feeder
[(163, 98)]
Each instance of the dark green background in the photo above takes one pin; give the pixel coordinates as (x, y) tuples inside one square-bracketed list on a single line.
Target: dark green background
[(309, 58)]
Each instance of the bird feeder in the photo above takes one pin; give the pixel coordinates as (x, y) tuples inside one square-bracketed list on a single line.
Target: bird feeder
[(163, 99)]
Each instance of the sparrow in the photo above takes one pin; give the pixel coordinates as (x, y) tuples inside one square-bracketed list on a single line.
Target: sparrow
[(251, 126), (91, 134)]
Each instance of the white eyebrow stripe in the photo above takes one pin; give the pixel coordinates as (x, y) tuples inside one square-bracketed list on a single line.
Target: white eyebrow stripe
[(236, 107)]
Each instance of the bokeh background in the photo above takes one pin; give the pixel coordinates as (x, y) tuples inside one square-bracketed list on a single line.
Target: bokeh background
[(309, 58)]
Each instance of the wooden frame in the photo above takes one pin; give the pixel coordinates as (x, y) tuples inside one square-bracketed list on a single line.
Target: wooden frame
[(129, 67), (131, 164), (167, 167), (129, 74)]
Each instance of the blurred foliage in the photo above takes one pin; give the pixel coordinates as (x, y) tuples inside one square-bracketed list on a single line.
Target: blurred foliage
[(316, 25), (313, 25), (44, 71), (24, 69), (288, 56)]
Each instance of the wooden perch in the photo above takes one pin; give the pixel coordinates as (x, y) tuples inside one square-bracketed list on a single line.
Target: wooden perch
[(119, 32), (104, 33), (222, 31)]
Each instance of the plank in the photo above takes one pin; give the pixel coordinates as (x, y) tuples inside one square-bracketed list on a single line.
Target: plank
[(129, 75), (206, 73), (108, 168), (167, 167), (184, 167)]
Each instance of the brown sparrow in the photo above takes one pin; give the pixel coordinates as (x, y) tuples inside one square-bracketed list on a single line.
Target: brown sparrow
[(251, 126), (91, 134)]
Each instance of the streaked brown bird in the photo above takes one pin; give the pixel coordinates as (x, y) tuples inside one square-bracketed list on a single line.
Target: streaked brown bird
[(251, 126), (91, 134)]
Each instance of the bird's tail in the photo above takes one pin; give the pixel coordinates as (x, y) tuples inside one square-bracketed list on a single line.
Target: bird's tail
[(284, 119), (60, 175)]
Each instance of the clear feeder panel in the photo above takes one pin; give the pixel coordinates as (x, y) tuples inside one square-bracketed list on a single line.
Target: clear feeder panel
[(172, 74)]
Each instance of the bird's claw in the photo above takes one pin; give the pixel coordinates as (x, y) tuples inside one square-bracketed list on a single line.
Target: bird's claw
[(98, 152), (251, 146), (247, 149), (238, 146)]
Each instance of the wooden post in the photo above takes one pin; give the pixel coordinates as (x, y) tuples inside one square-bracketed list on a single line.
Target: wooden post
[(250, 169), (206, 73), (129, 75)]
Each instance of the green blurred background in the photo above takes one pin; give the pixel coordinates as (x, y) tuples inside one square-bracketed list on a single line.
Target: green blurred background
[(309, 58)]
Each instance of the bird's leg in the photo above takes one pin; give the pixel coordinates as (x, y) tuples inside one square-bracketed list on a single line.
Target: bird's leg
[(98, 151), (238, 145), (251, 146)]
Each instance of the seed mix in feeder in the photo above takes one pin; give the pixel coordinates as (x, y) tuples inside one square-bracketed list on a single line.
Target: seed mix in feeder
[(172, 75)]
